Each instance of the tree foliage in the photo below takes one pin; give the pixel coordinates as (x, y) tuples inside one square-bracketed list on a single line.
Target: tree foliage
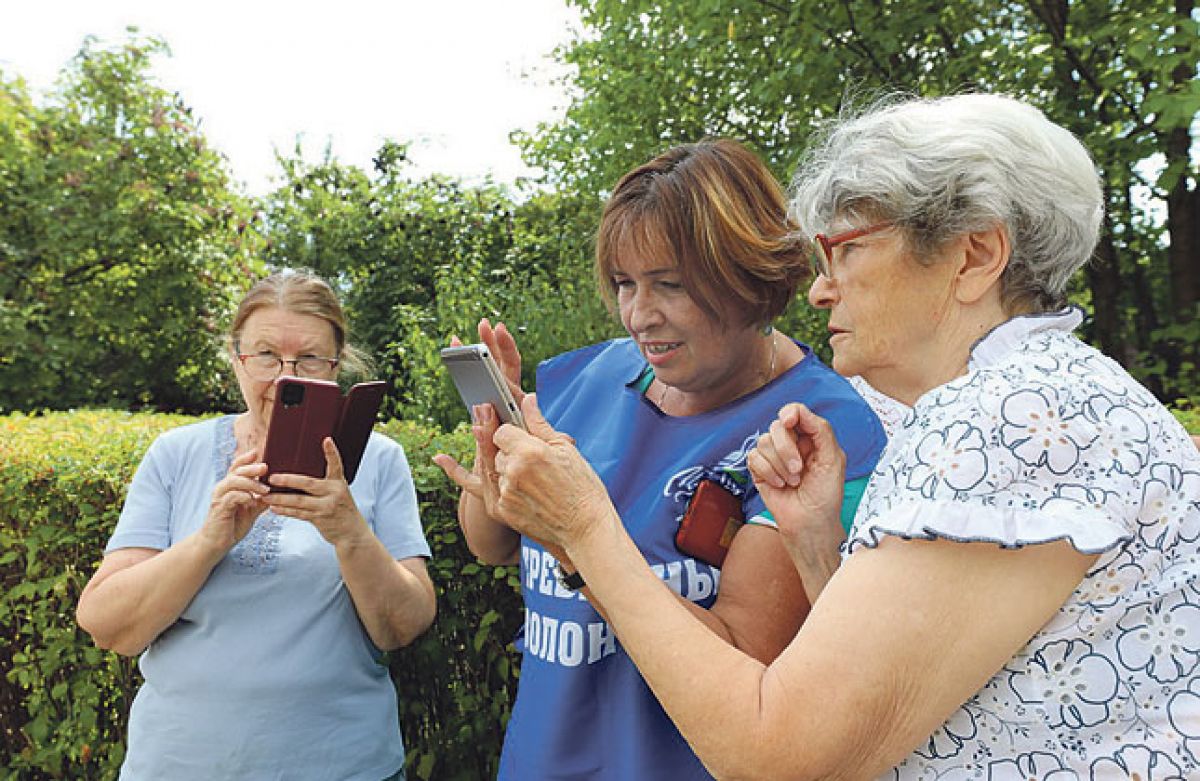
[(1121, 75), (121, 241), (420, 260)]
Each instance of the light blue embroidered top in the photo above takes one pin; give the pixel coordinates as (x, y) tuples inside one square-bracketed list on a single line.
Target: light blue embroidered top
[(268, 673), (1046, 439)]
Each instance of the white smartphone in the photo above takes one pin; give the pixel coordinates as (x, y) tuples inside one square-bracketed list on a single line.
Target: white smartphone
[(479, 381)]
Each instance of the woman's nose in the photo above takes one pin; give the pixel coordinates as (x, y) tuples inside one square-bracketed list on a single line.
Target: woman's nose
[(823, 292), (643, 312)]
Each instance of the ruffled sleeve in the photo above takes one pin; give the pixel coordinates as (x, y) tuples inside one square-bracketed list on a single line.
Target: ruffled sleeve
[(1087, 532), (1013, 458)]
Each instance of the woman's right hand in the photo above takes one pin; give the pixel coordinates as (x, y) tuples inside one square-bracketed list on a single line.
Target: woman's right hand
[(503, 347), (237, 501)]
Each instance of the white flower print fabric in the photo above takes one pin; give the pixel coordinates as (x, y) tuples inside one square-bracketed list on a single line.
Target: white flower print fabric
[(891, 413), (1046, 439)]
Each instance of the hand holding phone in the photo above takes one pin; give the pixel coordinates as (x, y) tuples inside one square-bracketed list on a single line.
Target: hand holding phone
[(479, 381), (305, 411)]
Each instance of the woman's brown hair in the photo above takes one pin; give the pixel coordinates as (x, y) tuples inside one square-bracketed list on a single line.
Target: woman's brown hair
[(717, 211)]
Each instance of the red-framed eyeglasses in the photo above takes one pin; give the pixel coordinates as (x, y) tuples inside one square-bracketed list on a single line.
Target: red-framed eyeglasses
[(825, 244)]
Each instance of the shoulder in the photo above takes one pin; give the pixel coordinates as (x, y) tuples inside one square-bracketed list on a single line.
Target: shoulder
[(1056, 386), (186, 455), (615, 361), (1054, 411), (614, 351), (189, 438), (384, 449), (822, 388)]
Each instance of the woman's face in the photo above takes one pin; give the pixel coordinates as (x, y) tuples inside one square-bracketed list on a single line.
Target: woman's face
[(709, 362), (288, 335), (887, 314)]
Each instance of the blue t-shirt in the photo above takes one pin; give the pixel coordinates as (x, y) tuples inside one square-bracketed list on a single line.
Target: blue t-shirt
[(268, 673), (583, 710)]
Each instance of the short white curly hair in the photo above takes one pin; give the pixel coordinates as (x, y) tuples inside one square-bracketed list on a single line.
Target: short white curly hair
[(942, 167)]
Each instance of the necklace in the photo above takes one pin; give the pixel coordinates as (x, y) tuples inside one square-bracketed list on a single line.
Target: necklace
[(770, 373)]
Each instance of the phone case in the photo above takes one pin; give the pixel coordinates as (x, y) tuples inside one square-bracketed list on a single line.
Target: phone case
[(306, 411), (712, 519), (479, 381), (359, 410)]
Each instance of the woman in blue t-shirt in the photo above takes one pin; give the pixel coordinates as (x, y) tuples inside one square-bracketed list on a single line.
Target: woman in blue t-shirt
[(260, 616), (697, 253)]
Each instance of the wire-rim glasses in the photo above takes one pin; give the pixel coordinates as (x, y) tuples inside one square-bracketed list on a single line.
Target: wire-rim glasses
[(265, 367), (823, 256)]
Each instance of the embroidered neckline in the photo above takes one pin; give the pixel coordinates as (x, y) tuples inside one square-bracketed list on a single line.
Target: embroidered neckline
[(226, 445)]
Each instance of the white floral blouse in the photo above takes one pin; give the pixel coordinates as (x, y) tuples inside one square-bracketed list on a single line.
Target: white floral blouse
[(1045, 439), (891, 412)]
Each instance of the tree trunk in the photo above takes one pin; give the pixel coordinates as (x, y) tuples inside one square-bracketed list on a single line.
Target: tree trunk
[(1104, 279)]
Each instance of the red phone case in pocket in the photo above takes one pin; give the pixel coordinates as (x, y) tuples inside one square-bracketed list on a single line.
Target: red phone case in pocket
[(712, 518)]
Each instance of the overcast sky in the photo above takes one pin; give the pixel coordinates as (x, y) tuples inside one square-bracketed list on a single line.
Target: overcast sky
[(454, 77)]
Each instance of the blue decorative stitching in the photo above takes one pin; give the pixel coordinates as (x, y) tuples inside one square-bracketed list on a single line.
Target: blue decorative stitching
[(258, 552)]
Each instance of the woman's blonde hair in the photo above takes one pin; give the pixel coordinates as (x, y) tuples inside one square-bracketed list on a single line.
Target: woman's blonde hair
[(304, 293)]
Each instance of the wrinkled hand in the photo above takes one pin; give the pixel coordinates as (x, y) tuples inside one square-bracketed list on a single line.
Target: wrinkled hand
[(540, 485), (503, 347), (326, 502), (475, 481), (799, 469), (237, 501)]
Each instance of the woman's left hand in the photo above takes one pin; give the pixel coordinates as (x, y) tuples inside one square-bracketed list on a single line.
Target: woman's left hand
[(540, 484), (326, 502), (799, 470)]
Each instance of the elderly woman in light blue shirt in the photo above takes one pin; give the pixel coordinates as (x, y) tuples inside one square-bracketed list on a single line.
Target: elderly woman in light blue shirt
[(260, 617)]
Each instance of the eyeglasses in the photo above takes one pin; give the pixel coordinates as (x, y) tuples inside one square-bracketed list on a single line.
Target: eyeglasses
[(265, 367), (823, 256)]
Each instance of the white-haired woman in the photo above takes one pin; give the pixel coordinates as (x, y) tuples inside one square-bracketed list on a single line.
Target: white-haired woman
[(1019, 595)]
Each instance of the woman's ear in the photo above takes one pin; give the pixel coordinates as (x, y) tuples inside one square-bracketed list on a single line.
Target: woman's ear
[(984, 258)]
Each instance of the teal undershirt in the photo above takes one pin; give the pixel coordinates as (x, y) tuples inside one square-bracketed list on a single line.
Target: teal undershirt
[(852, 493)]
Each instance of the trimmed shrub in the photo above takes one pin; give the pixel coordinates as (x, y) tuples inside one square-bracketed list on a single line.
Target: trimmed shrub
[(64, 702)]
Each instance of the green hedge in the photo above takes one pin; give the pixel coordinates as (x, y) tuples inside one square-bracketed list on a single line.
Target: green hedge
[(63, 702), (1188, 412)]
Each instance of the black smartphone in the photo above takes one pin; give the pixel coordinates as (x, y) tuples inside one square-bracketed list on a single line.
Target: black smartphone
[(479, 381)]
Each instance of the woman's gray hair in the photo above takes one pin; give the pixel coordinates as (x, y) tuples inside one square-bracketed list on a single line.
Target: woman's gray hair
[(942, 167)]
